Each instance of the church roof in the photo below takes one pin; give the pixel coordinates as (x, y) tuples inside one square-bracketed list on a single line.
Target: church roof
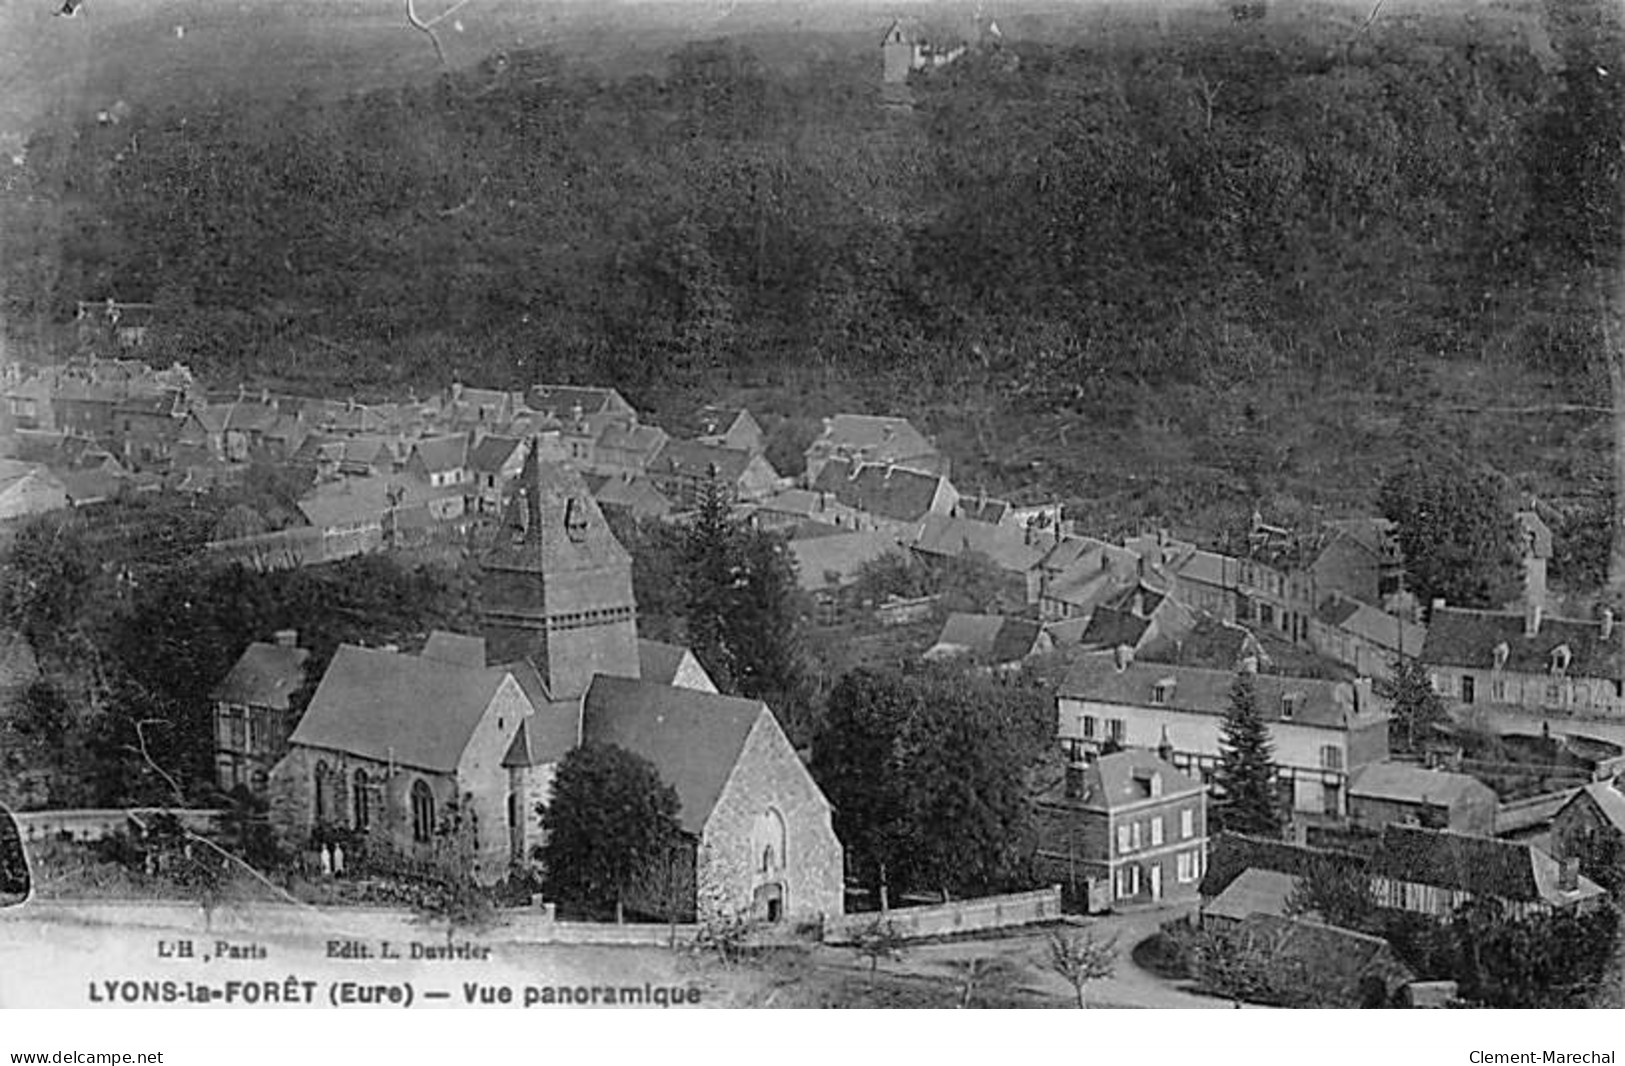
[(693, 738), (397, 708), (553, 524)]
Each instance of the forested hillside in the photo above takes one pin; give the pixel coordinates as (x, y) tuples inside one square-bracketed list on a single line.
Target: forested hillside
[(1161, 277)]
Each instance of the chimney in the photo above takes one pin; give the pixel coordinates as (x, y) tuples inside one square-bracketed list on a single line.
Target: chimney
[(1531, 620), (1607, 623), (1165, 747), (1074, 780), (287, 638), (1139, 603), (1568, 875), (456, 391)]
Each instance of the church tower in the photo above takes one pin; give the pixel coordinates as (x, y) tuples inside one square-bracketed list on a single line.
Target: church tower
[(556, 586)]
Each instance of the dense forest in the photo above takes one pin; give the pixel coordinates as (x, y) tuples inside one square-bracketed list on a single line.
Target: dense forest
[(1266, 256)]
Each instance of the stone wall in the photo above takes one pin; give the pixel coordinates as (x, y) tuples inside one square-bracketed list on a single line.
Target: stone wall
[(810, 874)]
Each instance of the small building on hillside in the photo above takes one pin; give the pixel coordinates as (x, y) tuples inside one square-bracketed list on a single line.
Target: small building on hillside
[(254, 712), (1255, 891), (1125, 828), (1389, 793), (891, 499), (1017, 553), (729, 427), (1590, 829), (828, 568), (684, 469), (860, 439), (991, 642), (1525, 660), (1366, 638)]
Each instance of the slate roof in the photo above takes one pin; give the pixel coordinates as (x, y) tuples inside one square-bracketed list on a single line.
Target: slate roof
[(455, 648), (658, 661), (1403, 783), (637, 495), (265, 675), (493, 452), (1008, 547), (990, 638), (693, 738), (552, 522), (1371, 624), (1256, 891), (646, 441), (1609, 796), (560, 400), (840, 553), (1481, 865), (983, 509), (440, 454), (1199, 690), (893, 492), (1112, 627), (872, 437), (387, 706), (687, 458), (1115, 780), (1460, 637), (1211, 642), (802, 503), (548, 734)]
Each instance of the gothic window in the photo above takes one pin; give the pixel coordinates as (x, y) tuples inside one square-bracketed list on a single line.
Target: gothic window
[(321, 792), (422, 813), (769, 839), (360, 806)]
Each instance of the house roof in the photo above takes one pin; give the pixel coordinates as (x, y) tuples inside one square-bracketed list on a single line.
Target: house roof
[(1481, 865), (1256, 891), (1199, 690), (1118, 779), (877, 438), (1371, 624), (688, 458), (982, 509), (548, 734), (990, 638), (559, 401), (398, 708), (1112, 627), (1457, 636), (1211, 642), (265, 675), (1609, 796), (647, 441), (800, 502), (637, 495), (493, 453), (842, 554), (893, 492), (440, 454), (1403, 783), (693, 738), (1008, 547)]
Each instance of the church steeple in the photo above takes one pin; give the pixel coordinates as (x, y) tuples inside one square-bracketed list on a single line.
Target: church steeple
[(556, 586)]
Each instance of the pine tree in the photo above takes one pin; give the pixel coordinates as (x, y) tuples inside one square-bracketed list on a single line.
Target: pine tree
[(1417, 706), (1244, 783)]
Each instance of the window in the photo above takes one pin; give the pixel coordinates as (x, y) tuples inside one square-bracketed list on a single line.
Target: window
[(422, 812), (360, 808), (1123, 844), (1156, 831), (1187, 824), (1554, 694), (1466, 688), (1331, 757), (1290, 702), (1089, 725), (321, 792), (1161, 691), (1331, 799), (1498, 691), (1114, 730), (1134, 836), (1185, 867)]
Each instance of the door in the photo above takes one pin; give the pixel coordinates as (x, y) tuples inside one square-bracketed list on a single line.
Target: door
[(1156, 880)]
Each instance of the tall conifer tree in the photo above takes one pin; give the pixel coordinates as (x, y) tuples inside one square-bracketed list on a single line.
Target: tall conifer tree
[(1245, 780)]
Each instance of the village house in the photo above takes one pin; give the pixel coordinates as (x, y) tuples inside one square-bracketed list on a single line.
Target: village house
[(1141, 618), (1017, 553), (890, 499), (1323, 731), (112, 325), (828, 568), (992, 642), (1080, 573), (1435, 871), (1525, 660), (470, 409), (446, 757), (1590, 828), (254, 712), (684, 469), (633, 495), (1255, 891), (571, 402), (1389, 793), (790, 508), (494, 464), (29, 489), (440, 462), (860, 439), (627, 449), (1362, 637), (1122, 829), (729, 427)]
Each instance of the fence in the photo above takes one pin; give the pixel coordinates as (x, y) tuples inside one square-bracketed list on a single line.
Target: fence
[(896, 612), (96, 823), (947, 919)]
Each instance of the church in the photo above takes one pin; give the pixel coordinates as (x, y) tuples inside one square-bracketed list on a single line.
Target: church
[(445, 756)]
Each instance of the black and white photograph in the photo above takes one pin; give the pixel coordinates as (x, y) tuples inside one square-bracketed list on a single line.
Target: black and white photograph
[(924, 504)]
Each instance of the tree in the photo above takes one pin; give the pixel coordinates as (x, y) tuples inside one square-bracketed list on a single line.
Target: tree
[(1335, 893), (1081, 958), (1244, 783), (611, 820), (1417, 706), (1456, 531), (880, 939)]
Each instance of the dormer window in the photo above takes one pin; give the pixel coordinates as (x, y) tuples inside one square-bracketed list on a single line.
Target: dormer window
[(1291, 703), (1561, 657), (1502, 652), (1162, 692)]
